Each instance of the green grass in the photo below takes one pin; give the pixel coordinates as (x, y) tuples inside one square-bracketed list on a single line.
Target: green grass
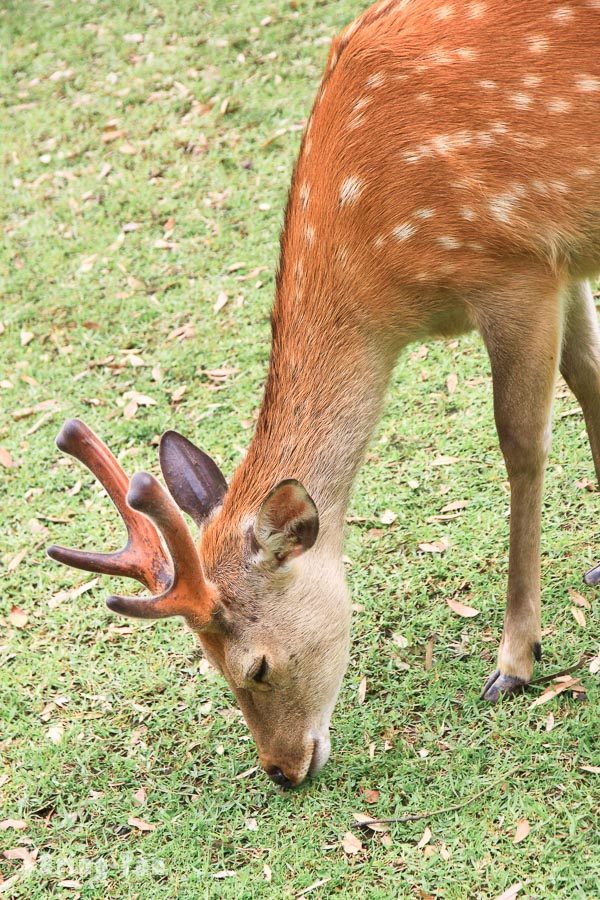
[(209, 103)]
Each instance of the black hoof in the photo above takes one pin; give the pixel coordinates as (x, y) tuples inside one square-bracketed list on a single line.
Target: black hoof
[(593, 576), (498, 685)]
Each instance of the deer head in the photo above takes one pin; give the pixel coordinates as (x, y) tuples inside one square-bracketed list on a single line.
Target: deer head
[(275, 623)]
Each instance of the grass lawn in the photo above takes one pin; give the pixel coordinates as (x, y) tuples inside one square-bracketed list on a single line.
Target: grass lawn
[(146, 152)]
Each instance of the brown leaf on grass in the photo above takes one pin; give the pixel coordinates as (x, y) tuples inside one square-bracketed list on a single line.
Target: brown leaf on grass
[(425, 838), (387, 517), (579, 599), (578, 615), (511, 892), (455, 506), (429, 652), (435, 546), (140, 824), (451, 383), (17, 559), (17, 824), (220, 302), (362, 690), (564, 683), (594, 770), (18, 617), (140, 796), (371, 796), (6, 459), (26, 337), (220, 375), (71, 594), (351, 844), (177, 394), (367, 822), (466, 612), (522, 831), (444, 460)]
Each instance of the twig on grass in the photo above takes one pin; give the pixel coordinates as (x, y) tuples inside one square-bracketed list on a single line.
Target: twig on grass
[(545, 679), (415, 817)]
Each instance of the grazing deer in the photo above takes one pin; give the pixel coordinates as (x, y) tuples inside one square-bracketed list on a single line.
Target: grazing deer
[(448, 179)]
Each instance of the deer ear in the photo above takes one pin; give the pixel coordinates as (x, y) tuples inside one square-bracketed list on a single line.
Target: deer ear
[(287, 523), (195, 481)]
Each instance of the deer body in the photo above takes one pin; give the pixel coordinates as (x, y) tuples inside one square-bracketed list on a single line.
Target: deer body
[(448, 179)]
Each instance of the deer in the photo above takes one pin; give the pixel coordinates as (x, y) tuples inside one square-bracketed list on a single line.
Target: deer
[(448, 180)]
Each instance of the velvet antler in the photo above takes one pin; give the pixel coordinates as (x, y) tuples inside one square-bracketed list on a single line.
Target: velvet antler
[(177, 583)]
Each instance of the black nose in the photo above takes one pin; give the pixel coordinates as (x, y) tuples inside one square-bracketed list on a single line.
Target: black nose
[(279, 778)]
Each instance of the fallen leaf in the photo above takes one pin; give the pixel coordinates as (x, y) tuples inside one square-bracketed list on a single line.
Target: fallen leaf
[(224, 873), (362, 690), (219, 375), (595, 770), (55, 733), (17, 824), (368, 822), (220, 302), (560, 685), (400, 641), (267, 873), (26, 337), (351, 844), (60, 596), (140, 824), (579, 599), (435, 546), (511, 892), (522, 831), (18, 617), (387, 517), (312, 887), (578, 615), (444, 460), (140, 796), (550, 723), (455, 506), (251, 824), (371, 796), (426, 837), (6, 459), (451, 383), (429, 652), (594, 666), (467, 612)]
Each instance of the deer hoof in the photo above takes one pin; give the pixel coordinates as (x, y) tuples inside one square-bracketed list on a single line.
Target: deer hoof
[(593, 576), (499, 685)]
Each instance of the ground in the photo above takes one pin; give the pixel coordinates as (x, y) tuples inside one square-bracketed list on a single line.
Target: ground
[(146, 160)]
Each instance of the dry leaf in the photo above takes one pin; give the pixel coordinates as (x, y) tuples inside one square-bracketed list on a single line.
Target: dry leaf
[(371, 796), (560, 685), (444, 460), (400, 641), (511, 892), (224, 873), (578, 615), (6, 459), (455, 506), (467, 612), (220, 302), (140, 796), (55, 733), (362, 690), (424, 839), (522, 831), (452, 383), (435, 546), (26, 337), (71, 594), (351, 844), (387, 517), (177, 394), (594, 770), (594, 666), (140, 824), (578, 599), (367, 822), (550, 723), (17, 824), (267, 873), (17, 617)]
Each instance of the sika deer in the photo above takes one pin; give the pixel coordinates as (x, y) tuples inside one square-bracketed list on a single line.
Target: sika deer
[(449, 179)]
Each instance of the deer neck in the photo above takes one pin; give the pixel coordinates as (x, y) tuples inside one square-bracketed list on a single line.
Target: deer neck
[(326, 382)]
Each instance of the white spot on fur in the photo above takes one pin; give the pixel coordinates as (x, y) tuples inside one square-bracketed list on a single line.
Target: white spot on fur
[(559, 105), (425, 97), (305, 194), (500, 128), (425, 213), (467, 213), (375, 80), (467, 53), (476, 10), (448, 242), (538, 43), (488, 85), (587, 84), (485, 138), (584, 172), (521, 101), (532, 80), (563, 14), (404, 231), (445, 12), (502, 207), (350, 190), (476, 246), (309, 234)]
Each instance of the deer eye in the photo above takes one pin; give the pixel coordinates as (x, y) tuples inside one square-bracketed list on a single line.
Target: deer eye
[(259, 670)]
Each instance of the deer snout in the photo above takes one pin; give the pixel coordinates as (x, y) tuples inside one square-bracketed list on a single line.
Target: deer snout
[(292, 771)]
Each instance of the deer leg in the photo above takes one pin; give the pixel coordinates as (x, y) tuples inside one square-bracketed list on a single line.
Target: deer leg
[(580, 366), (523, 338)]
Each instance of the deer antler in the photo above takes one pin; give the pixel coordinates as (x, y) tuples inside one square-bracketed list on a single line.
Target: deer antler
[(177, 583)]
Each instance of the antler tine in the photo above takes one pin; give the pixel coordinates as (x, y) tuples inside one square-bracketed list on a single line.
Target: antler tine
[(186, 595), (142, 557)]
